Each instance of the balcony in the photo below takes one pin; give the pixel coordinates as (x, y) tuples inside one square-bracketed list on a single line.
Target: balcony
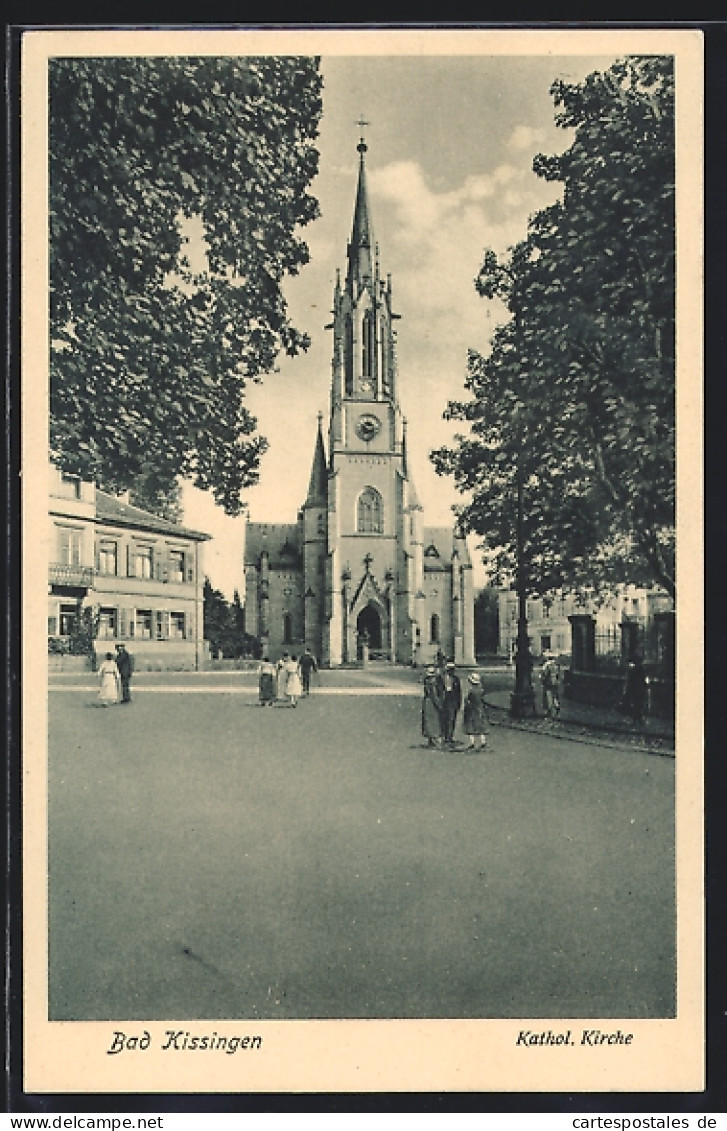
[(70, 576)]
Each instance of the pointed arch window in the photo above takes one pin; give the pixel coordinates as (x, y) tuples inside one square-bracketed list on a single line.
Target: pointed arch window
[(370, 512), (434, 629), (368, 344), (348, 353)]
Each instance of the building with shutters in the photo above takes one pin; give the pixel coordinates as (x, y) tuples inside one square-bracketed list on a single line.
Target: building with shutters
[(140, 576), (359, 566)]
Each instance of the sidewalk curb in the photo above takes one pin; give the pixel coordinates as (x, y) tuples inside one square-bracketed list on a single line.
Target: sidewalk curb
[(658, 745)]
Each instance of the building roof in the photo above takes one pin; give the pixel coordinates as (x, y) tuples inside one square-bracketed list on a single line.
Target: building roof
[(281, 540), (114, 511), (443, 540)]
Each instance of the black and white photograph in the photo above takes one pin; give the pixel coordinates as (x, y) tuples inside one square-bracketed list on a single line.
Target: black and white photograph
[(361, 418)]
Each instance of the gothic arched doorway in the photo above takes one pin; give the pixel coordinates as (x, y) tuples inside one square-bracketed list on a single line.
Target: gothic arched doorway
[(369, 622)]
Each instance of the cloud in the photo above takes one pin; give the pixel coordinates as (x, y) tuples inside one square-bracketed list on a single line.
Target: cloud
[(432, 243), (525, 137)]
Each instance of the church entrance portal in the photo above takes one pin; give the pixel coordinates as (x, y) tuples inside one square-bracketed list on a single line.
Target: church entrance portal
[(368, 624)]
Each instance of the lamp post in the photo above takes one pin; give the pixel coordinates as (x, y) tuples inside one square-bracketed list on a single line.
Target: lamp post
[(522, 699)]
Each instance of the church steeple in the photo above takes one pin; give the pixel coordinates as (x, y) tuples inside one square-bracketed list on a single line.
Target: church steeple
[(318, 485), (364, 355), (360, 249)]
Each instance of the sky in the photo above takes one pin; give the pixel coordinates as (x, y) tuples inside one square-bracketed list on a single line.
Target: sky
[(451, 141)]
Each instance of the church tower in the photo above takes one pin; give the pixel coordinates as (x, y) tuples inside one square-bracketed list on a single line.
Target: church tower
[(368, 486), (359, 565)]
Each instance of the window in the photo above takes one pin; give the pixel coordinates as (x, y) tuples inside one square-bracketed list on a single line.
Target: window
[(348, 355), (368, 345), (143, 562), (142, 624), (67, 619), (176, 565), (107, 558), (70, 486), (544, 643), (107, 624), (370, 512), (287, 628), (434, 629), (176, 626), (69, 546)]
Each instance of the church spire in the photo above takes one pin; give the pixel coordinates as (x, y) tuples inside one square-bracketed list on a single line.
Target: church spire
[(360, 249), (318, 485), (413, 498)]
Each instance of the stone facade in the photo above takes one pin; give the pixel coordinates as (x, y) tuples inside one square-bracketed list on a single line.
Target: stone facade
[(358, 565)]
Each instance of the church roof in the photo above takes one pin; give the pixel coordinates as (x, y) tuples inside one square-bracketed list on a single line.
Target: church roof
[(441, 542), (318, 485), (281, 540)]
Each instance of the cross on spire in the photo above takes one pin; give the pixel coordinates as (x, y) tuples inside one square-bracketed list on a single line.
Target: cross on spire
[(367, 561), (362, 123)]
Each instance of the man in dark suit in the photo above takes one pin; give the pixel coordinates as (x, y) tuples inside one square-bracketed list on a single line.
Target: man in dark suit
[(307, 666), (125, 664), (452, 701)]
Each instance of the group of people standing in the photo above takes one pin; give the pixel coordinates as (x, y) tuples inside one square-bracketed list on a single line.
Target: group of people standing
[(442, 701), (114, 677), (286, 681)]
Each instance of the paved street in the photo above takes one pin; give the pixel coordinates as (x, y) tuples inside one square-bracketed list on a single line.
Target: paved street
[(212, 859)]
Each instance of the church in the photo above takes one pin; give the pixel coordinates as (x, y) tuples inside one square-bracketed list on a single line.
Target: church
[(359, 570)]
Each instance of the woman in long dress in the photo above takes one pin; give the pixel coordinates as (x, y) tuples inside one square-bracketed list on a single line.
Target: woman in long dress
[(108, 676), (266, 683), (281, 676), (293, 687), (475, 714)]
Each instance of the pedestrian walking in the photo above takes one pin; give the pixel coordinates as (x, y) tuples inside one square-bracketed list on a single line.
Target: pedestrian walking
[(475, 715), (634, 694), (108, 673), (308, 665), (550, 682), (432, 707), (293, 686), (125, 665), (281, 676), (266, 682), (452, 701)]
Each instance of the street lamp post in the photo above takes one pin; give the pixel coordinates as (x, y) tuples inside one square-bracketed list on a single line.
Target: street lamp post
[(522, 699)]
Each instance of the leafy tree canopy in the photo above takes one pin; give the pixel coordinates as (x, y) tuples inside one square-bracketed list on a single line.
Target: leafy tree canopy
[(224, 625), (150, 357), (578, 387)]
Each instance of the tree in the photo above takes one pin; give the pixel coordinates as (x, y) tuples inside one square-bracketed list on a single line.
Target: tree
[(577, 392), (150, 357), (215, 616), (238, 613), (487, 621)]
